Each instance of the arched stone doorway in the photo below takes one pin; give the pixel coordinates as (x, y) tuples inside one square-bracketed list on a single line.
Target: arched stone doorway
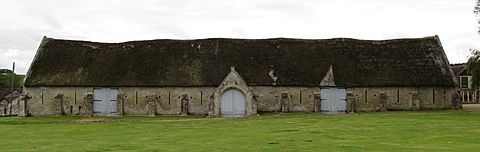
[(233, 104), (232, 98)]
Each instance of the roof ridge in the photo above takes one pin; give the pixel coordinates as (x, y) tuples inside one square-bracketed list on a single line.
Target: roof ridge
[(248, 39)]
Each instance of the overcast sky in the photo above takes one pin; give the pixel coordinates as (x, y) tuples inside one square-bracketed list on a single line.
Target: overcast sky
[(23, 23)]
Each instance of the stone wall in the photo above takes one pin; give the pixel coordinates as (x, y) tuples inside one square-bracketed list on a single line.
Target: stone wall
[(131, 100), (400, 98), (59, 100), (167, 100), (295, 99)]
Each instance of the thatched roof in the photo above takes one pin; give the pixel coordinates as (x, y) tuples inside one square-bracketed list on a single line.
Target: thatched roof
[(4, 92), (205, 62), (7, 95), (460, 69)]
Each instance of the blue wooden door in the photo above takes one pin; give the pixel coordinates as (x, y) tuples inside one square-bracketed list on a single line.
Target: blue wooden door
[(333, 100), (105, 101), (232, 104)]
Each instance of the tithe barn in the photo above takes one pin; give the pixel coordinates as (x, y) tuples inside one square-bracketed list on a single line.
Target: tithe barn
[(223, 77)]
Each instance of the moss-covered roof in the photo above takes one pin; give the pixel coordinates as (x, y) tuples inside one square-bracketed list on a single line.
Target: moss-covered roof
[(460, 69), (205, 62)]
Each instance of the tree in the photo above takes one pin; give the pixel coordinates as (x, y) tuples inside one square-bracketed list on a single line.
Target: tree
[(6, 79), (5, 71), (473, 64), (476, 10)]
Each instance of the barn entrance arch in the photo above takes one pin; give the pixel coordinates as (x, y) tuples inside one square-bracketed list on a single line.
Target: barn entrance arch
[(232, 98), (233, 104)]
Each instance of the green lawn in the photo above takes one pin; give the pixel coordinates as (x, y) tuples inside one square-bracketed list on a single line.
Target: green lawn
[(448, 130)]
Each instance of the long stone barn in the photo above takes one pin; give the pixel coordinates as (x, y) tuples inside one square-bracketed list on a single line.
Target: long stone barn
[(223, 77)]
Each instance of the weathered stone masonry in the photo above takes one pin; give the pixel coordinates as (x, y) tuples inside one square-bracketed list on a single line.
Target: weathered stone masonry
[(167, 101)]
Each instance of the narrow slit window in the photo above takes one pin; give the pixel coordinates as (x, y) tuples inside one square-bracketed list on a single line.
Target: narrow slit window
[(398, 96), (366, 98), (433, 96), (136, 97), (300, 96), (75, 98)]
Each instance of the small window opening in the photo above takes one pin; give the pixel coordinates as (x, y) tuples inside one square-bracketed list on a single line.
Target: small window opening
[(398, 96), (300, 96), (75, 98), (366, 98), (433, 96), (136, 97)]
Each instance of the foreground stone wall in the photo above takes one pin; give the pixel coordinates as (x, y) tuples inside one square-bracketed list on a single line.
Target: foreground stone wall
[(401, 98), (59, 101), (165, 100), (168, 100), (295, 99), (131, 100)]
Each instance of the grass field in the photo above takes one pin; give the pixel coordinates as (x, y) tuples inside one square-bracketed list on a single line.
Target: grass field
[(445, 130)]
